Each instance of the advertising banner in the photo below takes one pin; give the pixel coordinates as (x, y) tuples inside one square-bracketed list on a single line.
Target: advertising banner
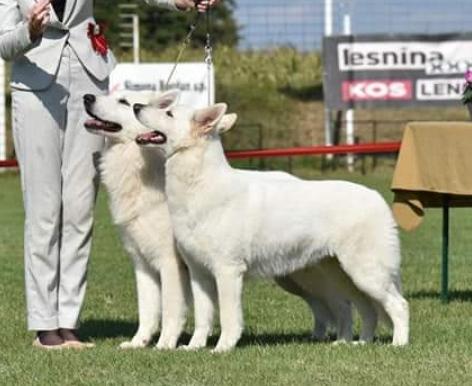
[(190, 78), (395, 70)]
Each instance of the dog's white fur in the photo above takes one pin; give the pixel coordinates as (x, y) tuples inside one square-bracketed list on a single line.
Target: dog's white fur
[(135, 180), (327, 301), (228, 222)]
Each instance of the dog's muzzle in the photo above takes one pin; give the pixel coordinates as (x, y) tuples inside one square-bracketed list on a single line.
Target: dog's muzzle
[(154, 137), (96, 123)]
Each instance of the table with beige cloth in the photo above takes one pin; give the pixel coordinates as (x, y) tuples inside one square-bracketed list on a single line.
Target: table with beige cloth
[(434, 169)]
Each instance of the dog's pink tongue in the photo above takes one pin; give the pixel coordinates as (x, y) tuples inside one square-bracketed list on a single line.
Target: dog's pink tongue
[(145, 137), (91, 122)]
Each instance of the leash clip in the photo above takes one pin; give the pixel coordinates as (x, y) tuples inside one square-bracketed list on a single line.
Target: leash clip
[(208, 50)]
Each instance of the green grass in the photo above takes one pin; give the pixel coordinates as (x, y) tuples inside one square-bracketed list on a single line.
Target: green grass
[(274, 349)]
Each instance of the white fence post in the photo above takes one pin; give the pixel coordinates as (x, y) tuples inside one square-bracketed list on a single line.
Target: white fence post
[(129, 28), (328, 31), (136, 47), (3, 129), (350, 128)]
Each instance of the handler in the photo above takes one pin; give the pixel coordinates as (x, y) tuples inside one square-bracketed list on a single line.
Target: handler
[(59, 54)]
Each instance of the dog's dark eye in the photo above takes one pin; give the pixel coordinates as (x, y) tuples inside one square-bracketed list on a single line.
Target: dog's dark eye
[(169, 114), (123, 102)]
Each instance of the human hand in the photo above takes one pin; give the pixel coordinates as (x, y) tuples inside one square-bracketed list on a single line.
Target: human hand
[(38, 17), (201, 5)]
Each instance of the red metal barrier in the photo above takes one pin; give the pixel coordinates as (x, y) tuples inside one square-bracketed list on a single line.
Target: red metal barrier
[(369, 148), (9, 163)]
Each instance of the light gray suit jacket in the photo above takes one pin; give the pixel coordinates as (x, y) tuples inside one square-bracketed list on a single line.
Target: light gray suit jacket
[(35, 63)]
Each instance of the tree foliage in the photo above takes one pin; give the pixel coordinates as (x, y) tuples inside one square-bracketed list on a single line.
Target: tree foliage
[(160, 28)]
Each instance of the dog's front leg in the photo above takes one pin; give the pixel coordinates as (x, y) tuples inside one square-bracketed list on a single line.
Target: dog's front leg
[(204, 298), (149, 298), (230, 284), (175, 291)]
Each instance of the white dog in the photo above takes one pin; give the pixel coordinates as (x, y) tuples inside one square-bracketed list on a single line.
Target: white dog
[(134, 177), (228, 222)]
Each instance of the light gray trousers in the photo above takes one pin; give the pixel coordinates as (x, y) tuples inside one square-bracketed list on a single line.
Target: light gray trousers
[(59, 183)]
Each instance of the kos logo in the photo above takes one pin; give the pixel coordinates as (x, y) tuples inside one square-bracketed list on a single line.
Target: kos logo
[(365, 90)]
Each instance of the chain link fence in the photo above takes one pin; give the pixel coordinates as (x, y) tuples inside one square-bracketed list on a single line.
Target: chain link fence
[(268, 24), (300, 23)]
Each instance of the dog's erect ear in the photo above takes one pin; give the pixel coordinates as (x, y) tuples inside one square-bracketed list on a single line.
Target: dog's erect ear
[(226, 122), (206, 119), (166, 100)]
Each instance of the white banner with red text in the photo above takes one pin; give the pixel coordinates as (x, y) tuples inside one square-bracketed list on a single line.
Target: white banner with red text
[(395, 70)]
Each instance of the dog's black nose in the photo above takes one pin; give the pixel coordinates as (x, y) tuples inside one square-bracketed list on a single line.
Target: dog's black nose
[(137, 108), (89, 99)]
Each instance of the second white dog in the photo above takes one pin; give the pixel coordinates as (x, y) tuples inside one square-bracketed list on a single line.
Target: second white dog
[(229, 223)]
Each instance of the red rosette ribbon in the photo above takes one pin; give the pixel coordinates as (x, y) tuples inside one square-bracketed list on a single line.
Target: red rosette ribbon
[(97, 37)]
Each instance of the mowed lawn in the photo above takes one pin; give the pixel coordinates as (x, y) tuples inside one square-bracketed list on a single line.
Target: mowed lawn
[(275, 349)]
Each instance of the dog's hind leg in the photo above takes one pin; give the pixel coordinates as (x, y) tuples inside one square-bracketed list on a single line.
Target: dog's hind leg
[(325, 280), (343, 320), (204, 299), (346, 289), (368, 316), (175, 283), (321, 319), (149, 299), (362, 303), (395, 306), (382, 287), (321, 314), (397, 309)]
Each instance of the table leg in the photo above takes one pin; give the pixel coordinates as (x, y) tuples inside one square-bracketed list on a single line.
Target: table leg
[(445, 250)]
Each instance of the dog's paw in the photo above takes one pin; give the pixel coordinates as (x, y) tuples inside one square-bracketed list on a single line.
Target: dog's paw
[(224, 346), (197, 342), (192, 347), (220, 349), (339, 342), (133, 344), (166, 344), (187, 347)]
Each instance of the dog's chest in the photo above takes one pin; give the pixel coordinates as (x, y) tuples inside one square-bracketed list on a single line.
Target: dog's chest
[(193, 234), (196, 249), (131, 195)]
